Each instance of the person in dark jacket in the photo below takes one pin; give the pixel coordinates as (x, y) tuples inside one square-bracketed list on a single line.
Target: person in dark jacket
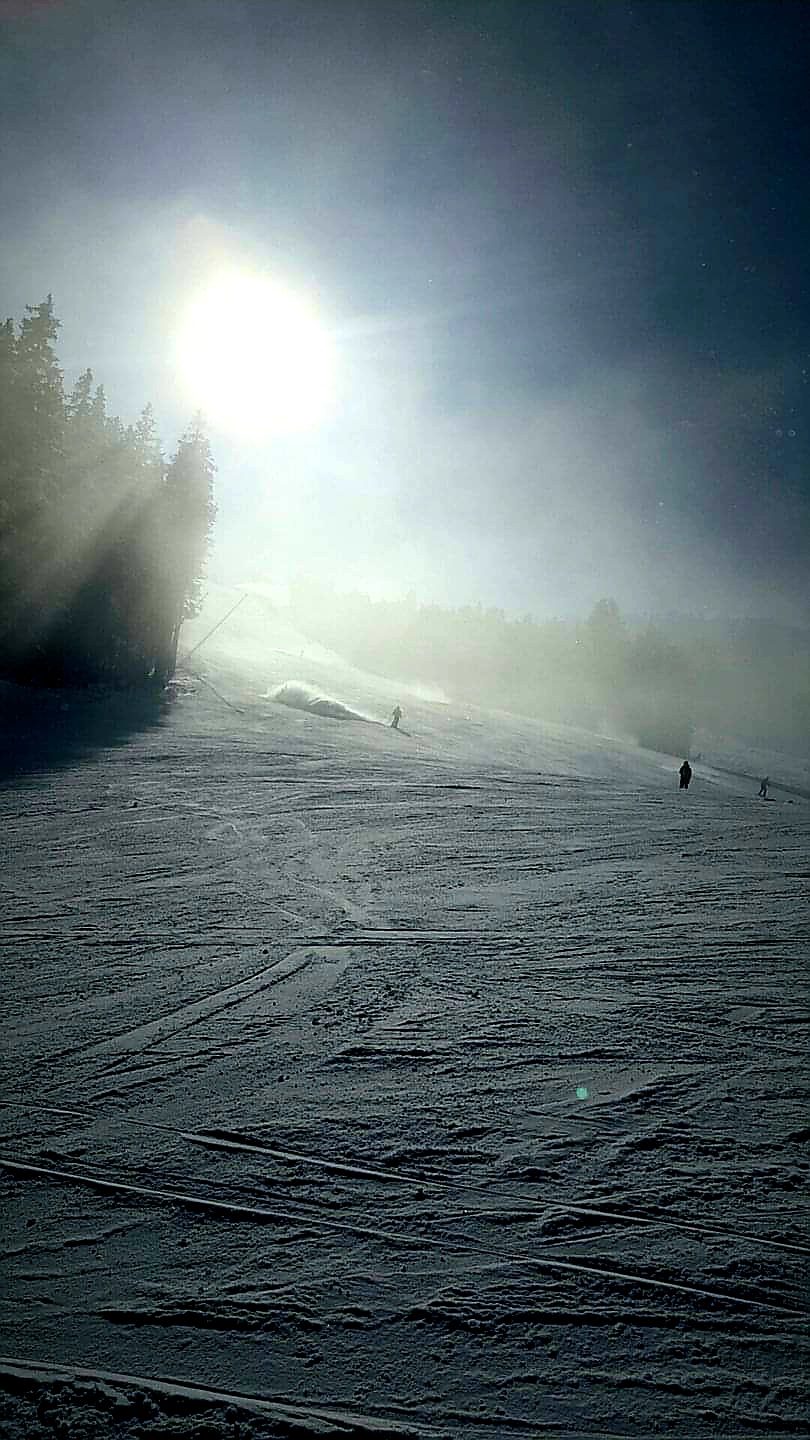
[(685, 773), (396, 717), (763, 787)]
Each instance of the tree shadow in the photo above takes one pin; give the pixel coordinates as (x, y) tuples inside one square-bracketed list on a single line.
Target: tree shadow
[(46, 730)]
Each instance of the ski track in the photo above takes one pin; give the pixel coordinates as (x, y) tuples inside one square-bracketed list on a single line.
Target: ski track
[(402, 966), (307, 1418), (425, 1179)]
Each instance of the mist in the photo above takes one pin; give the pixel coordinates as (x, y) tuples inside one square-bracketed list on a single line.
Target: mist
[(561, 261), (678, 685), (544, 502), (298, 695), (404, 707)]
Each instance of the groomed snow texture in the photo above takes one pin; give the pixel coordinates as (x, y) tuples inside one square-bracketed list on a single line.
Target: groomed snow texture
[(357, 1083)]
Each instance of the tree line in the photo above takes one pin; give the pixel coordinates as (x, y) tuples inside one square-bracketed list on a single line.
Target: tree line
[(103, 542), (655, 682)]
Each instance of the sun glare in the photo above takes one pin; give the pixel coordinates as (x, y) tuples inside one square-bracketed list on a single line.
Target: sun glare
[(255, 356)]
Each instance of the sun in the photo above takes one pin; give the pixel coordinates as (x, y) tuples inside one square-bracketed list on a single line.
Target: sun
[(255, 356)]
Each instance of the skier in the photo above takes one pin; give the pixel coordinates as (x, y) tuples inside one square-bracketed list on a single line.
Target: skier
[(763, 787), (685, 773), (396, 717)]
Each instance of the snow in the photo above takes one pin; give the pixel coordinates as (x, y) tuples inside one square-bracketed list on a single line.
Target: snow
[(301, 696), (359, 1082)]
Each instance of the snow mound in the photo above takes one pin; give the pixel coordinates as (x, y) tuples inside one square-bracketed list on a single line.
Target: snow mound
[(300, 696)]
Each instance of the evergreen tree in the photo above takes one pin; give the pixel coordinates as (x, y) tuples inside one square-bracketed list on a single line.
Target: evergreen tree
[(102, 546), (9, 420), (80, 402), (191, 511), (658, 702), (32, 421), (187, 515)]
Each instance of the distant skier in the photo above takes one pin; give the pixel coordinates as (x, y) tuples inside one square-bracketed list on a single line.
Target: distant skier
[(685, 773), (396, 717), (763, 787)]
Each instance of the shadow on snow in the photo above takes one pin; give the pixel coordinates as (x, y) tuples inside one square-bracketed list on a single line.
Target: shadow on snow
[(42, 730)]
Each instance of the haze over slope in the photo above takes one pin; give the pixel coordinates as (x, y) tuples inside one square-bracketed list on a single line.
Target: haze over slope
[(268, 644), (447, 1083)]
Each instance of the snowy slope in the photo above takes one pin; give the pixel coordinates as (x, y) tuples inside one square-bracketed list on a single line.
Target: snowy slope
[(446, 1082)]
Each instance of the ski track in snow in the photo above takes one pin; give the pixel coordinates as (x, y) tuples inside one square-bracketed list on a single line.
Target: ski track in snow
[(453, 1083)]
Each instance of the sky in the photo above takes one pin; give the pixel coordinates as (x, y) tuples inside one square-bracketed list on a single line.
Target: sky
[(559, 251)]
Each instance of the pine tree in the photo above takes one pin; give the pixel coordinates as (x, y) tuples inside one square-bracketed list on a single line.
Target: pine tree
[(191, 510), (32, 421), (102, 545), (140, 589), (9, 420), (80, 401)]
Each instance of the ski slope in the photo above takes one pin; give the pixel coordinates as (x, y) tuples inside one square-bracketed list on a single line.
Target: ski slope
[(358, 1082)]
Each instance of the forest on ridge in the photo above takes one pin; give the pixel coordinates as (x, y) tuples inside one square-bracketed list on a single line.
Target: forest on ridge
[(656, 682)]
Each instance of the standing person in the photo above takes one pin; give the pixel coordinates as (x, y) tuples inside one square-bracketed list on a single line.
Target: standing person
[(763, 787), (685, 773), (396, 717)]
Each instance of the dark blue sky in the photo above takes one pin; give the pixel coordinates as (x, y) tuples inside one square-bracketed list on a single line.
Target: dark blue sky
[(563, 248)]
